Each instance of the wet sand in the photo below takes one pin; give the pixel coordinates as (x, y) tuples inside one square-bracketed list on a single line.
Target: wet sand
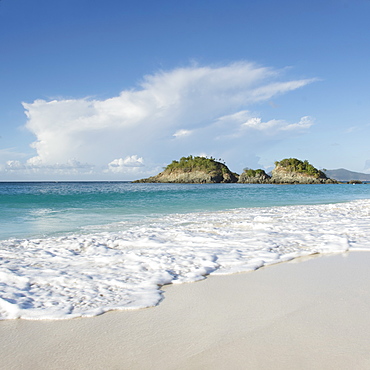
[(305, 314)]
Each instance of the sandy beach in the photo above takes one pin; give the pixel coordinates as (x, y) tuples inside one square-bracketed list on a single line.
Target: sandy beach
[(306, 314)]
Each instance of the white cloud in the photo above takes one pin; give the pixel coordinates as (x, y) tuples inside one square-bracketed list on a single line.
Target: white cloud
[(367, 166), (166, 105), (14, 165), (254, 122), (304, 123), (125, 165), (35, 165), (9, 154), (182, 133), (240, 122)]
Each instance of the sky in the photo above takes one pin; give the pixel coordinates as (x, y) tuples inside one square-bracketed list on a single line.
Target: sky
[(116, 90)]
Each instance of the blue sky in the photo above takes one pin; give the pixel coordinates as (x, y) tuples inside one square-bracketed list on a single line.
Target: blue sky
[(116, 90)]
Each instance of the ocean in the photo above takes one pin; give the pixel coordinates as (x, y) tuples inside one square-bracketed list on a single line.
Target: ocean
[(75, 249)]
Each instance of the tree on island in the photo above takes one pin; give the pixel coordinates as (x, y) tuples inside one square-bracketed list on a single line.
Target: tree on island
[(296, 165), (190, 163)]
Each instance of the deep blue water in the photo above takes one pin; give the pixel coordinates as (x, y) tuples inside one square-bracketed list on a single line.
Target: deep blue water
[(42, 209)]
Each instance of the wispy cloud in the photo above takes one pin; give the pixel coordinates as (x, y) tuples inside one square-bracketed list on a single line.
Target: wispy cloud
[(35, 165), (304, 123), (182, 133), (186, 103), (367, 166), (240, 122)]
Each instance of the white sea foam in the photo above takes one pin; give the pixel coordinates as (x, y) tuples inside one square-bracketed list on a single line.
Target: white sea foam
[(85, 275)]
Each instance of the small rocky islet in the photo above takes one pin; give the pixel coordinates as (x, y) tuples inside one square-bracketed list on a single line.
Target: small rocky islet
[(203, 170)]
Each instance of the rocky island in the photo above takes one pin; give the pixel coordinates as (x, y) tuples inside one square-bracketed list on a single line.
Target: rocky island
[(250, 176), (202, 170), (294, 171), (194, 170)]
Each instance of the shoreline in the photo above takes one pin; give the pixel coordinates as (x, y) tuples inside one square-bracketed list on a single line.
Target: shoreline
[(306, 313)]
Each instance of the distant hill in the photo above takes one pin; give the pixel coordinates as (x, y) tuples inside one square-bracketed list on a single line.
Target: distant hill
[(344, 175)]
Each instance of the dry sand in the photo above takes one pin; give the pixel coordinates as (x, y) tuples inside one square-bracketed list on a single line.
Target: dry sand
[(312, 314)]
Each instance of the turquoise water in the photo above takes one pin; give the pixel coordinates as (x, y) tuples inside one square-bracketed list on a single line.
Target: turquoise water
[(80, 249), (49, 209)]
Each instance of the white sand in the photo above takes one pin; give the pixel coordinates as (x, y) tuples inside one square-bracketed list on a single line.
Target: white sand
[(313, 314)]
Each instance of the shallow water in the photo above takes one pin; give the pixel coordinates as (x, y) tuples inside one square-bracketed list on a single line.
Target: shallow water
[(80, 249), (49, 209)]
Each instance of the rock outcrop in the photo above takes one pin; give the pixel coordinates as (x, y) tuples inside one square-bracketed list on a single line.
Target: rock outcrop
[(254, 177), (194, 170), (294, 171)]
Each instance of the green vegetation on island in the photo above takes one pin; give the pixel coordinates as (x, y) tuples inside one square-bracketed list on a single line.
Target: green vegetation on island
[(190, 163), (250, 176), (194, 170), (303, 167), (253, 173), (200, 170)]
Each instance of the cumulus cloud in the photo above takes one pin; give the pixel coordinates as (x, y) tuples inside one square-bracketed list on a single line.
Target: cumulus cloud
[(9, 154), (254, 122), (128, 164), (14, 165), (185, 103)]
